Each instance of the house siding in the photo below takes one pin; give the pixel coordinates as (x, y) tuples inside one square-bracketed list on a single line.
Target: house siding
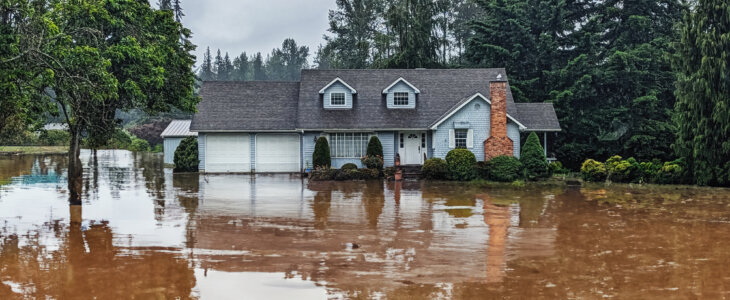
[(252, 151), (478, 120), (387, 139), (401, 87), (201, 151), (337, 87), (169, 145), (513, 132), (308, 141)]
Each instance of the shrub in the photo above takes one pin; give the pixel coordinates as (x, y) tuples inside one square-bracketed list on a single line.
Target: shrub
[(157, 148), (186, 155), (649, 171), (121, 139), (139, 145), (556, 167), (54, 138), (518, 184), (434, 168), (593, 170), (375, 148), (504, 168), (372, 162), (389, 172), (347, 174), (671, 172), (321, 156), (460, 164), (369, 173), (481, 169), (534, 163), (348, 166), (623, 170), (323, 174)]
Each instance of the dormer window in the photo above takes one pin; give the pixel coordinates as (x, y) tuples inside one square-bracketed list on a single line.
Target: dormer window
[(400, 98), (337, 99)]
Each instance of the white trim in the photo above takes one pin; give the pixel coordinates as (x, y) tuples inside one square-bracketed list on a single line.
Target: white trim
[(435, 126), (360, 129), (333, 82), (344, 98), (415, 90), (247, 131)]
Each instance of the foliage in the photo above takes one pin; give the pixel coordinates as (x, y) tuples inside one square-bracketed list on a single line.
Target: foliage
[(534, 163), (672, 172), (344, 174), (283, 63), (482, 169), (372, 162), (375, 148), (324, 173), (702, 111), (321, 156), (348, 166), (504, 168), (121, 139), (518, 184), (435, 168), (186, 155), (369, 173), (389, 172), (593, 170), (460, 164), (150, 131), (158, 148), (556, 167), (139, 145), (54, 138), (623, 170)]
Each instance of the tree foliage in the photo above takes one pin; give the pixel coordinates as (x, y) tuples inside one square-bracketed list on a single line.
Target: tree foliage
[(186, 155), (321, 156), (534, 163)]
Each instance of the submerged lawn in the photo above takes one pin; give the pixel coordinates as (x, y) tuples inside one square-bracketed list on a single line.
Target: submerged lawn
[(17, 150)]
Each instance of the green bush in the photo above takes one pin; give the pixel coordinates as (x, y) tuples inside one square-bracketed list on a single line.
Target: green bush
[(482, 170), (186, 155), (434, 168), (157, 148), (460, 163), (623, 170), (323, 174), (650, 170), (372, 162), (518, 184), (375, 148), (347, 174), (593, 170), (121, 139), (389, 172), (321, 156), (54, 138), (556, 167), (348, 166), (139, 145), (671, 172), (369, 173), (504, 168), (534, 163)]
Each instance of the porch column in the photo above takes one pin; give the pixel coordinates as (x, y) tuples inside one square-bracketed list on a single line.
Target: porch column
[(544, 143)]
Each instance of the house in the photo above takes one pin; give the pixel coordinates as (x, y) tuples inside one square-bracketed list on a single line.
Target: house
[(417, 114), (175, 132)]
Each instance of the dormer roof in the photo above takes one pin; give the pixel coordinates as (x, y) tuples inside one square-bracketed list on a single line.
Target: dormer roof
[(387, 89), (352, 90)]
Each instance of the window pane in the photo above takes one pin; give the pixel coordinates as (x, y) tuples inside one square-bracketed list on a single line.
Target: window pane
[(400, 98), (337, 98)]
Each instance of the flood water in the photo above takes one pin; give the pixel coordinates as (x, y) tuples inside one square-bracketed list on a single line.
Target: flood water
[(145, 233)]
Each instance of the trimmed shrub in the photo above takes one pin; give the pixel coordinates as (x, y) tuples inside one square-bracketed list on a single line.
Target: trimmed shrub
[(186, 155), (671, 172), (534, 163), (139, 145), (460, 164), (347, 174), (389, 172), (375, 148), (369, 173), (54, 138), (504, 168), (481, 169), (323, 174), (372, 162), (593, 170), (434, 168), (348, 166), (623, 170), (649, 170), (321, 156)]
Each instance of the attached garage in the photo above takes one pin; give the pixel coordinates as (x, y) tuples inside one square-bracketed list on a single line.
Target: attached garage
[(277, 153), (228, 153)]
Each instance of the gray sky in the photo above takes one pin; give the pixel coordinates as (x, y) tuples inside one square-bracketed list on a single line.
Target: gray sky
[(255, 25)]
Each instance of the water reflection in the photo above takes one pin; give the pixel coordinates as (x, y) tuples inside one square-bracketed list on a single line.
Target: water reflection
[(143, 232)]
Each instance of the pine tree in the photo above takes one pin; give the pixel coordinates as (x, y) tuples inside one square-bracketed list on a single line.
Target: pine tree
[(294, 58), (225, 68), (412, 23), (177, 8), (206, 68), (240, 68), (259, 73), (165, 4), (219, 65), (353, 24), (321, 155), (533, 158), (702, 111)]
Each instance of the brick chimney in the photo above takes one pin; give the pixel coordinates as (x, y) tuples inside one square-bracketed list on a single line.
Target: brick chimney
[(498, 143)]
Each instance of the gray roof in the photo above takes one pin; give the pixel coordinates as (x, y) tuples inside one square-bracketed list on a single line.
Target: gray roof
[(537, 116), (178, 128), (440, 89), (246, 105)]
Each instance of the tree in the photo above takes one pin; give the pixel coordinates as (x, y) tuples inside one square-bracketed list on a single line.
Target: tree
[(177, 9), (219, 66), (702, 111), (353, 25), (206, 68), (294, 59), (259, 72), (241, 67), (186, 155), (321, 155), (375, 148), (533, 158), (412, 24), (164, 4)]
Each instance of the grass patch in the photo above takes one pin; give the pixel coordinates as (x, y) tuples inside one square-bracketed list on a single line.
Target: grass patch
[(23, 150)]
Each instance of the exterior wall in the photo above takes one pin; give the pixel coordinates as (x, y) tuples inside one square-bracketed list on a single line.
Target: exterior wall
[(401, 87), (308, 141), (252, 150), (201, 151), (387, 139), (337, 87), (478, 119), (169, 145), (513, 132)]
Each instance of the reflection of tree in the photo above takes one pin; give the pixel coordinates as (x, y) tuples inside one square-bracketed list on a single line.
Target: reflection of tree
[(186, 188), (373, 198), (321, 208)]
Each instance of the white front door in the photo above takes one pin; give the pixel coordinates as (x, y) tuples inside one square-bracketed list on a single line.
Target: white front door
[(411, 152)]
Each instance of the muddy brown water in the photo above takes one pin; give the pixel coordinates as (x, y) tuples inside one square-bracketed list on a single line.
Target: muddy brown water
[(145, 233)]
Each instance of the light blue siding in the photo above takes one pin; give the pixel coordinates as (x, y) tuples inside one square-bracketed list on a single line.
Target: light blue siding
[(387, 139), (308, 141), (401, 87), (201, 151), (169, 145), (477, 114), (513, 132), (339, 162), (337, 87), (252, 150)]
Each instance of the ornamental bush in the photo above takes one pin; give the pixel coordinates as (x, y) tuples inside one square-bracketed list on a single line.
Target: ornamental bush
[(139, 145), (186, 155), (672, 172), (532, 157), (482, 170), (372, 162), (375, 148), (321, 156), (54, 138), (623, 170), (504, 168), (369, 173), (348, 166), (593, 170), (434, 168), (556, 167), (460, 164)]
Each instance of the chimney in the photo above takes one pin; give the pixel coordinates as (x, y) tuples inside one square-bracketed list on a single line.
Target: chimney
[(498, 143)]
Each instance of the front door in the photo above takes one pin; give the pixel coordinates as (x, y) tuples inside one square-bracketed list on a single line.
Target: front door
[(411, 150)]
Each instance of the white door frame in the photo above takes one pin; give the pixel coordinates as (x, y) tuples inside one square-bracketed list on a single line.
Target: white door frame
[(412, 146)]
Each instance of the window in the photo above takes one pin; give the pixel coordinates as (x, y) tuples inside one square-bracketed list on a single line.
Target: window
[(460, 138), (423, 140), (400, 98), (401, 140), (337, 99), (349, 144)]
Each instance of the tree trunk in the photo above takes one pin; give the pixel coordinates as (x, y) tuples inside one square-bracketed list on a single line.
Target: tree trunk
[(75, 169)]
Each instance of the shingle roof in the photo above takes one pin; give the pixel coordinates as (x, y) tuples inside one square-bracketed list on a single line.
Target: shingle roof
[(537, 116), (178, 128), (440, 89), (247, 105)]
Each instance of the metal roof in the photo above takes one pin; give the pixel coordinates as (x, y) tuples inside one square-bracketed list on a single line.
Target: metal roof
[(178, 128)]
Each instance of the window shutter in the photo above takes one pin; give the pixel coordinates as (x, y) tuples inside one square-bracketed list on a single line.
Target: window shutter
[(452, 140), (470, 138)]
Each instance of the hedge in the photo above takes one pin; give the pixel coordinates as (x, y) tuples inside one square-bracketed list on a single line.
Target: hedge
[(504, 168), (435, 168)]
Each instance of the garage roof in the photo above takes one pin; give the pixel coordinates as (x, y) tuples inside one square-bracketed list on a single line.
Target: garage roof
[(178, 128)]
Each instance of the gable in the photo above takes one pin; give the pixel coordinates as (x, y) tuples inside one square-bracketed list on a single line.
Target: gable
[(337, 95), (469, 104)]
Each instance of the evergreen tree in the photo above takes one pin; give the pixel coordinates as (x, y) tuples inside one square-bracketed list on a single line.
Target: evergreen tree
[(533, 158), (241, 67), (177, 8), (165, 4), (294, 59), (206, 68), (219, 65), (353, 24), (702, 111), (321, 155), (225, 69), (412, 23), (259, 73)]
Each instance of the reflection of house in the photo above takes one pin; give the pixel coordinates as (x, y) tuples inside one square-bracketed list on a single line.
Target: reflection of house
[(175, 132), (272, 126)]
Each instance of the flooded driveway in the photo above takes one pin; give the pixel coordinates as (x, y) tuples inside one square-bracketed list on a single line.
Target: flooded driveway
[(144, 233)]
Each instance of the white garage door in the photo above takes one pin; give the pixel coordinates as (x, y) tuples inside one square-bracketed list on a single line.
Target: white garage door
[(227, 153), (277, 153)]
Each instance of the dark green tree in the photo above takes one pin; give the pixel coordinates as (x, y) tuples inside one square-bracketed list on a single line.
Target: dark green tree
[(321, 156), (412, 24), (259, 71), (219, 66), (702, 111), (532, 157), (375, 148), (186, 155), (353, 25), (206, 68), (241, 67)]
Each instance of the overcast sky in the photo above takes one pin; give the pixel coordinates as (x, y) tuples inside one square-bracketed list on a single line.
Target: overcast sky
[(255, 25)]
